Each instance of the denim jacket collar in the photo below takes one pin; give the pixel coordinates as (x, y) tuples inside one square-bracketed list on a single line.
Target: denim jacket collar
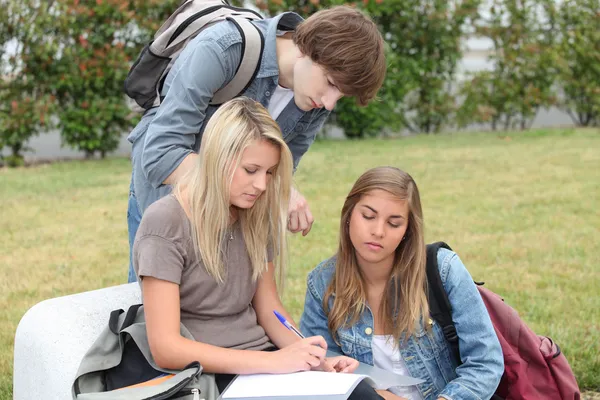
[(271, 29)]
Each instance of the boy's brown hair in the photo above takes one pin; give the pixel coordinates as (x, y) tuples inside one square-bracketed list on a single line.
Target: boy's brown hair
[(348, 45)]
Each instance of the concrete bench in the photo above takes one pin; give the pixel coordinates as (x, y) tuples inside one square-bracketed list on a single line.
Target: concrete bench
[(53, 336)]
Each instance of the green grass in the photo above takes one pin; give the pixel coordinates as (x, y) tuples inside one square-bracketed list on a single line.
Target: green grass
[(521, 210)]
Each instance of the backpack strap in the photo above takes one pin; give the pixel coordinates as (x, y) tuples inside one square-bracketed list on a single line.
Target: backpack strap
[(253, 44), (113, 321), (439, 305), (130, 316), (289, 21)]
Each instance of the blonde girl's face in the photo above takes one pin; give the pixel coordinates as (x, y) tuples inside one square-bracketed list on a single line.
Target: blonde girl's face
[(252, 176), (377, 225)]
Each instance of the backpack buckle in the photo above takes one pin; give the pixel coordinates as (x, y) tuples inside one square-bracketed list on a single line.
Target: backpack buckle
[(450, 333)]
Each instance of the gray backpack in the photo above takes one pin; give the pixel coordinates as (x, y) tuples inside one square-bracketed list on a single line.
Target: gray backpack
[(146, 77), (121, 357)]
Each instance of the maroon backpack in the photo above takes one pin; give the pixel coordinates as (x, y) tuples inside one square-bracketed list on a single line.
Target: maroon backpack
[(534, 366)]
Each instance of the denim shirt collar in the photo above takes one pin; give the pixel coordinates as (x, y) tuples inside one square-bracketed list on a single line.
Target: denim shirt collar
[(270, 29)]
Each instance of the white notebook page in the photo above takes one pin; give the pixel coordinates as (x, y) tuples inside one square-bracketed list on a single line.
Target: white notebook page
[(309, 383)]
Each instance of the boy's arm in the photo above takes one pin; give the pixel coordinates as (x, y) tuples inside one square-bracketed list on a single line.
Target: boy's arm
[(300, 217), (171, 135)]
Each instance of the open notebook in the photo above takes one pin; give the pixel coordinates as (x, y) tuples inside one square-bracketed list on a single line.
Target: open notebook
[(311, 384), (301, 384)]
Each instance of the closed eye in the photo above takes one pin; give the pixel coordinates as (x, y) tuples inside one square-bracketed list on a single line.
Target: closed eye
[(250, 171), (369, 217)]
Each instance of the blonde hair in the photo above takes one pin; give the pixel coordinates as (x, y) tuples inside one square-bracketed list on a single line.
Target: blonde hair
[(236, 125), (407, 287)]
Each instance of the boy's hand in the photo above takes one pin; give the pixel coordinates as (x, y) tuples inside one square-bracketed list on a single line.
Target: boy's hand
[(299, 215)]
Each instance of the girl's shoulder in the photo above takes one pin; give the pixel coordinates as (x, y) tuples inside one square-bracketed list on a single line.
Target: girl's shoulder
[(445, 258), (452, 269), (321, 275), (165, 218)]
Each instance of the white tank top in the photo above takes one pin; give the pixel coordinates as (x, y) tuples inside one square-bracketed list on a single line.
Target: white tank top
[(387, 356)]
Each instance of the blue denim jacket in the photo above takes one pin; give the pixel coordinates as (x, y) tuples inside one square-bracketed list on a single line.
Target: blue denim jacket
[(427, 354), (168, 133)]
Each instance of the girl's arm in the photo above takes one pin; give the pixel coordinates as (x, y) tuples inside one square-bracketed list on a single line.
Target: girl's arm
[(172, 351), (313, 320), (265, 301), (482, 362)]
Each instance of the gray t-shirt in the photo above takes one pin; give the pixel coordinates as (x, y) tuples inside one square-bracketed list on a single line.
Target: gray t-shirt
[(221, 315)]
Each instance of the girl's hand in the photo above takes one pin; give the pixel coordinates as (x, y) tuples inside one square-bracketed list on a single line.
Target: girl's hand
[(342, 364), (301, 355)]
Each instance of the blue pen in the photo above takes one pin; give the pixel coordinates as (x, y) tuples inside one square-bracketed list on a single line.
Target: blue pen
[(285, 323)]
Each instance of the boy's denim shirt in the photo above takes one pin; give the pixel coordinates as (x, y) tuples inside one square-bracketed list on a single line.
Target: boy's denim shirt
[(427, 354), (168, 133)]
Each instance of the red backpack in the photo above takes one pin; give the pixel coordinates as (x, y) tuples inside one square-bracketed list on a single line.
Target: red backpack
[(534, 366)]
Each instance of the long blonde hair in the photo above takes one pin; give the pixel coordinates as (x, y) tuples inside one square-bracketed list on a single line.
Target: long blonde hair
[(236, 125), (407, 286)]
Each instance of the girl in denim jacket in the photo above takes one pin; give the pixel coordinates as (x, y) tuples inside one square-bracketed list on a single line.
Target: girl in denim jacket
[(369, 301)]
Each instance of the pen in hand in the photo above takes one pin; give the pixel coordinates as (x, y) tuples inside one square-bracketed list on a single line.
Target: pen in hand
[(291, 327), (285, 323)]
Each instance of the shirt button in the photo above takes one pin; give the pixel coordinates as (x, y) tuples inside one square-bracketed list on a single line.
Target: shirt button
[(368, 331), (267, 93)]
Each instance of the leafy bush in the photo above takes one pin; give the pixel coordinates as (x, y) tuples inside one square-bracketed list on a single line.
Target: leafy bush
[(522, 81), (25, 55), (579, 60)]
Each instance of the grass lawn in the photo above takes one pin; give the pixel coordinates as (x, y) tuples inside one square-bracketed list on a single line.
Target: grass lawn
[(521, 210)]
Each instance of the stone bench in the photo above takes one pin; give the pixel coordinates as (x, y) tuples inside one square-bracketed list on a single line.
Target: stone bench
[(53, 336)]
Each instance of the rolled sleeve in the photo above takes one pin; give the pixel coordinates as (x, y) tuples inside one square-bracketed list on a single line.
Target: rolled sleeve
[(192, 82), (482, 362)]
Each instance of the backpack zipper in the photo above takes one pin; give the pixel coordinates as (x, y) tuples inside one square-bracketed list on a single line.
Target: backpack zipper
[(177, 388), (199, 14), (183, 393)]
